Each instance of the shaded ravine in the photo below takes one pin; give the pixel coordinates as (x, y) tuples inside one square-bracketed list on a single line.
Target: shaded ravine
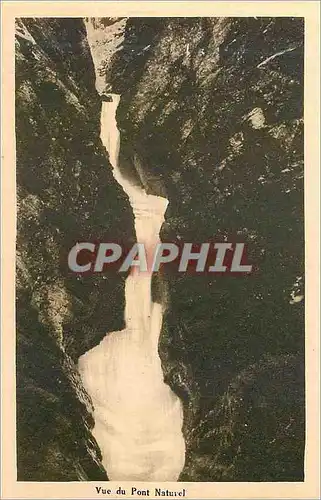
[(138, 419)]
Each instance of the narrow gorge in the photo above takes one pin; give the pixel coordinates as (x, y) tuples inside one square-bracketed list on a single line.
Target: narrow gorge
[(138, 419), (146, 130)]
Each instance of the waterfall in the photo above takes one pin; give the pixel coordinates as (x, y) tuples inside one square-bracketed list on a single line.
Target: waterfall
[(138, 418)]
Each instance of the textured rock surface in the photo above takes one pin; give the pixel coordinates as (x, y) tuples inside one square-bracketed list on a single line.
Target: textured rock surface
[(65, 193), (211, 116)]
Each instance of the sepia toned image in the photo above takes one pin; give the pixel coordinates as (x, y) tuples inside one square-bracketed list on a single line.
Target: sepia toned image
[(160, 253), (196, 122)]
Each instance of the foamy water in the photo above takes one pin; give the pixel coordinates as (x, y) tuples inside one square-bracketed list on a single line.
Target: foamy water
[(138, 419)]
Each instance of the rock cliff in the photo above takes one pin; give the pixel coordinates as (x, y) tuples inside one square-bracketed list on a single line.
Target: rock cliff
[(65, 193), (211, 116)]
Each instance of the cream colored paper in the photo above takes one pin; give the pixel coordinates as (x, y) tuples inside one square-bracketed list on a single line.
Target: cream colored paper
[(84, 490)]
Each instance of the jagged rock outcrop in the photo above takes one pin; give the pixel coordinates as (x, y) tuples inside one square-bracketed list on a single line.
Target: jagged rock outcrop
[(65, 193), (211, 116)]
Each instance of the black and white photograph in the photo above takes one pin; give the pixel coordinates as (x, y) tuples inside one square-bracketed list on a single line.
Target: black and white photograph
[(160, 334)]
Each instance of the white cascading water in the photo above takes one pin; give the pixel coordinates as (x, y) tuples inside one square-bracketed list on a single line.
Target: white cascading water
[(138, 418)]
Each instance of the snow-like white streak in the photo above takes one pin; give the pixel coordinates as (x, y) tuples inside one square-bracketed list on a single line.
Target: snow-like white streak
[(138, 418), (106, 38)]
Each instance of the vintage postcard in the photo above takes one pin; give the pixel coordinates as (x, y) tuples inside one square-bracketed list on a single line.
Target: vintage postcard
[(160, 258)]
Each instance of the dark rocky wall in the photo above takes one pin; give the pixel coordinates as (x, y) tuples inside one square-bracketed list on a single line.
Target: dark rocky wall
[(211, 117), (65, 193), (212, 114)]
